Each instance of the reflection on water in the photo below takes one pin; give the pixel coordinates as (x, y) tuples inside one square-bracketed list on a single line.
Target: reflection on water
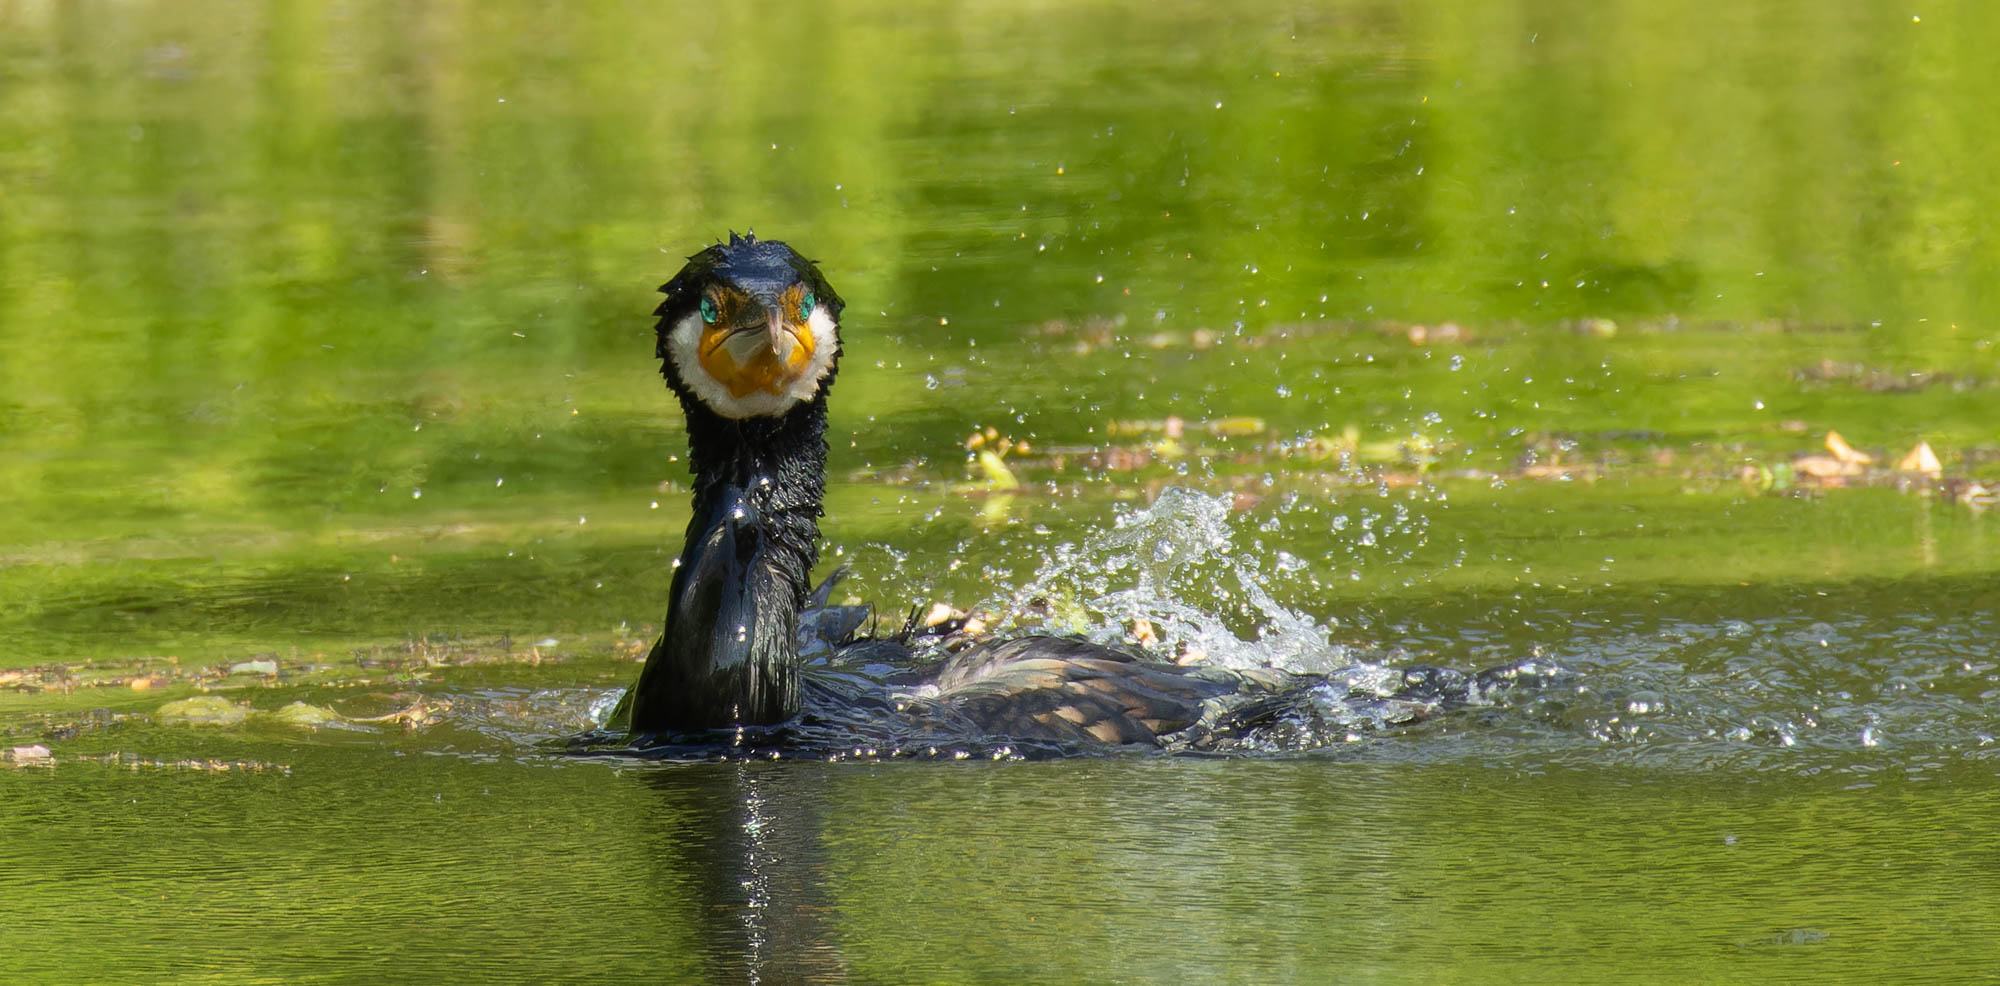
[(1133, 870), (745, 855)]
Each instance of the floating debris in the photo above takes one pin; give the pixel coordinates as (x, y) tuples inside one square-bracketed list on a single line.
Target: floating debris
[(1876, 380), (422, 712), (29, 756), (1444, 333), (1826, 467), (132, 761), (940, 613), (203, 710), (307, 716), (1921, 460), (1842, 463), (1972, 494), (1845, 452), (214, 710)]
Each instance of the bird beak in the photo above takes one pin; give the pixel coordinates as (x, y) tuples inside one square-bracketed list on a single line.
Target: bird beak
[(747, 356), (786, 338)]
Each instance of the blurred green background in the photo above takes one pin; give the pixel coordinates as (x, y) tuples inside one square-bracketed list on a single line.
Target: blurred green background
[(287, 290)]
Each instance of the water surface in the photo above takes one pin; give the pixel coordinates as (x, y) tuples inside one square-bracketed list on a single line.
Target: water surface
[(1471, 333)]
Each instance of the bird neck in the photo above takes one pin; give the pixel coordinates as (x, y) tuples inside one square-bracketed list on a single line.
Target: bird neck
[(780, 463), (729, 653)]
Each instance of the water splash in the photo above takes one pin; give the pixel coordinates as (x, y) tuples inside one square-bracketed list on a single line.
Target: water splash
[(1169, 576)]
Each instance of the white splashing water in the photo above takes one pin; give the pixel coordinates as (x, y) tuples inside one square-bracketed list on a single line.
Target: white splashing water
[(1173, 566)]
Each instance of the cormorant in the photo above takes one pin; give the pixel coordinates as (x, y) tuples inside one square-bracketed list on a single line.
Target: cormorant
[(749, 340)]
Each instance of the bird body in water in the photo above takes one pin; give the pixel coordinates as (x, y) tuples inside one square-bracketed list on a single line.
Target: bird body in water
[(749, 340)]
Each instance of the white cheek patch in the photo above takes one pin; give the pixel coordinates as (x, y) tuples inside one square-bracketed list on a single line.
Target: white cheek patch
[(683, 347), (826, 342)]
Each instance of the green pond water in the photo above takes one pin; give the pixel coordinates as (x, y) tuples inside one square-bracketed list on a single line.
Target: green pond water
[(1316, 335)]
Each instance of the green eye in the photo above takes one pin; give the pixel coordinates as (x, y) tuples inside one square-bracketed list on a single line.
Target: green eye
[(708, 310), (806, 305)]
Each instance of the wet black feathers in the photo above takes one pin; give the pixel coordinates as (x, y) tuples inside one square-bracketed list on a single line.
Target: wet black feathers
[(753, 536), (1059, 688)]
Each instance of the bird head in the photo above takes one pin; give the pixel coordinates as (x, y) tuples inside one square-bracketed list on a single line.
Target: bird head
[(749, 329)]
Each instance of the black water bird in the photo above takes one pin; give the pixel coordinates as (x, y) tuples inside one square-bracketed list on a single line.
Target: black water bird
[(749, 340)]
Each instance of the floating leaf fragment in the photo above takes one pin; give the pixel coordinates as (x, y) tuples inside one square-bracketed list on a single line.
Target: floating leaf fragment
[(1921, 460), (1845, 452)]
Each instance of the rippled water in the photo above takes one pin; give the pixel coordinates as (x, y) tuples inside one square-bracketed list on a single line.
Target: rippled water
[(1121, 870), (1341, 338)]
